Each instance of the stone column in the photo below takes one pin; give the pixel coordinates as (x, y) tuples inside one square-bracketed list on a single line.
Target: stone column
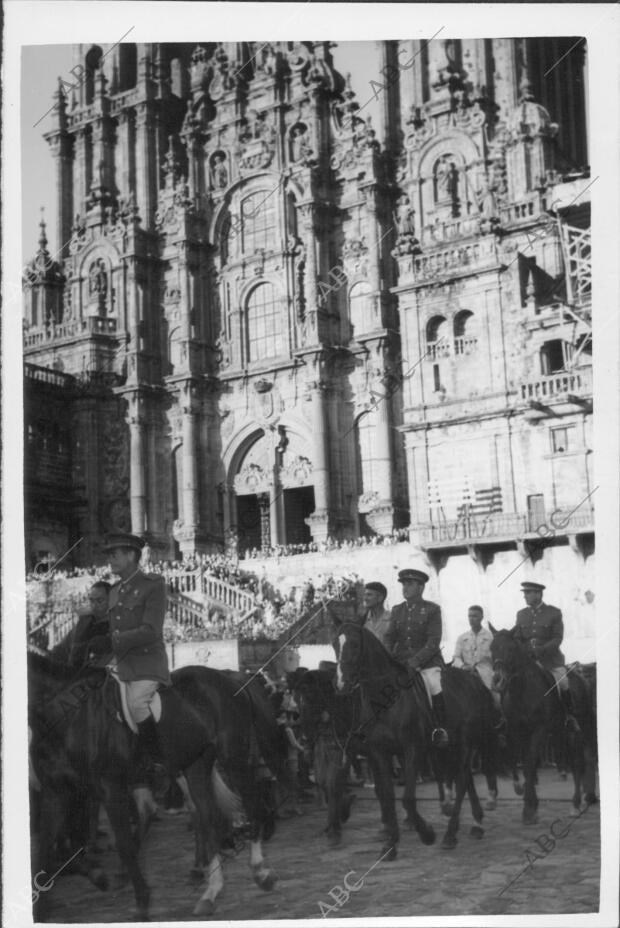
[(321, 464), (154, 509), (80, 183), (145, 146), (137, 476), (125, 167), (63, 156), (319, 520), (190, 468), (307, 212)]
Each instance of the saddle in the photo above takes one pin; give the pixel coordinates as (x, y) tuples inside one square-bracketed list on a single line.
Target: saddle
[(124, 706)]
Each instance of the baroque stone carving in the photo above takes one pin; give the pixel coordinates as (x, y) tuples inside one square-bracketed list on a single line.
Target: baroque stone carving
[(252, 479), (297, 473), (368, 501)]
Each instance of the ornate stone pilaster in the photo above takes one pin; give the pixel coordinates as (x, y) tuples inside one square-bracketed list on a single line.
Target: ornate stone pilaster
[(145, 168), (318, 522), (126, 178), (137, 476), (309, 239), (190, 468)]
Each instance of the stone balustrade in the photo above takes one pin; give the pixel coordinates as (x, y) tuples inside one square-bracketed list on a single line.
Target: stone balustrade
[(548, 387), (92, 325)]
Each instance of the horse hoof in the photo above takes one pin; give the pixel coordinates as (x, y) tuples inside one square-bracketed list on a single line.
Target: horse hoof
[(197, 873), (448, 842), (447, 809), (427, 835), (334, 840), (388, 853), (205, 907), (267, 882), (530, 820), (476, 831), (518, 789), (490, 805), (575, 812), (590, 799)]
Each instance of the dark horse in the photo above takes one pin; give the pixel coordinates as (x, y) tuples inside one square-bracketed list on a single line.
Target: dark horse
[(328, 719), (241, 720), (396, 719), (82, 750), (533, 712)]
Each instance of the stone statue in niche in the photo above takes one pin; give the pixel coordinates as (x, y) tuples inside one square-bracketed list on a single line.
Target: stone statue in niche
[(300, 149), (219, 171), (98, 283), (404, 216), (446, 184)]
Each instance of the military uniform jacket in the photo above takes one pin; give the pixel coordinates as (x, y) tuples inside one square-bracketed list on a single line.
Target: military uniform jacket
[(542, 627), (414, 634), (137, 611)]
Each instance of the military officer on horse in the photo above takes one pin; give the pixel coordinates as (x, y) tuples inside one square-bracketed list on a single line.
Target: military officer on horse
[(540, 627), (137, 612), (414, 636)]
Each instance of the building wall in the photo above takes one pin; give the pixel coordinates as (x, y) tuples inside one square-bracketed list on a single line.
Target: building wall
[(282, 321)]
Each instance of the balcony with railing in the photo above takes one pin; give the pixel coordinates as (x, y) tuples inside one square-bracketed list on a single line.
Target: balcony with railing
[(92, 325), (501, 527), (577, 383)]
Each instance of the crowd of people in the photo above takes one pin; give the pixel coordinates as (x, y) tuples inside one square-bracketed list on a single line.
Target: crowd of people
[(52, 608), (330, 544)]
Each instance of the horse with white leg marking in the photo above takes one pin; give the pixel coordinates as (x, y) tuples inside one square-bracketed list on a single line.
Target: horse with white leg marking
[(242, 721)]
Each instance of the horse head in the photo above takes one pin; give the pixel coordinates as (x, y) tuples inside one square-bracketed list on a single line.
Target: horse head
[(348, 646), (505, 654)]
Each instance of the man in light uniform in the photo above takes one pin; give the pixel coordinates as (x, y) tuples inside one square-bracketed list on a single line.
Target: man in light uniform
[(414, 637), (473, 648)]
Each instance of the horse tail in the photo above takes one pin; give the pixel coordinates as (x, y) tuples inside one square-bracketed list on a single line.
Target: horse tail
[(227, 801)]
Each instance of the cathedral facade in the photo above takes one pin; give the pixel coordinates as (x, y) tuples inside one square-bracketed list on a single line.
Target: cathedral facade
[(271, 323)]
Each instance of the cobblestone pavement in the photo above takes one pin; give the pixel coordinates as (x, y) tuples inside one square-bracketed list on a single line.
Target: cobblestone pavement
[(513, 869)]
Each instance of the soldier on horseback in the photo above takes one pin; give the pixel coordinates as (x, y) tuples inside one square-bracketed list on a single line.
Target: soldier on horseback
[(414, 636), (137, 612), (541, 629)]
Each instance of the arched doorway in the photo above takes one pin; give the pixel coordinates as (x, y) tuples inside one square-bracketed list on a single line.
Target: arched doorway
[(273, 492)]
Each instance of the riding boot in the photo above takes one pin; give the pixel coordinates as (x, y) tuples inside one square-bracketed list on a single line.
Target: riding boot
[(149, 756), (440, 735), (572, 725)]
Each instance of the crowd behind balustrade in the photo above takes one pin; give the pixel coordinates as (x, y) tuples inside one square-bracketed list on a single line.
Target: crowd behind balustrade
[(275, 612), (330, 544)]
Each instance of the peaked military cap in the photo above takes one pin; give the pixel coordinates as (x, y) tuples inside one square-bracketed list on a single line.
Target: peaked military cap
[(123, 540), (530, 585), (410, 574)]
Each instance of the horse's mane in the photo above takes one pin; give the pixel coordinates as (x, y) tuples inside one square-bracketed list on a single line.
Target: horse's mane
[(375, 644)]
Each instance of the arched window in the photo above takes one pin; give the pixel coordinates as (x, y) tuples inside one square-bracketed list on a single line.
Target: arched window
[(465, 334), (92, 62), (127, 66), (264, 324), (360, 308), (437, 337), (258, 221)]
